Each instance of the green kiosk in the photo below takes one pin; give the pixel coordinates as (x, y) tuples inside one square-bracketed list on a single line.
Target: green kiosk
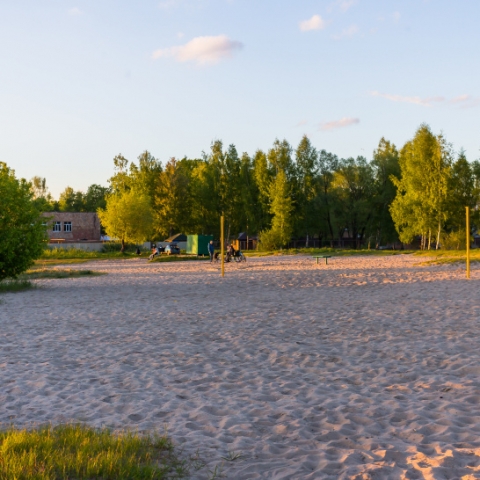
[(198, 244)]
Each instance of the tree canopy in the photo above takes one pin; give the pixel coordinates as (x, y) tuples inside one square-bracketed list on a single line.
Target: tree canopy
[(22, 232), (127, 217), (303, 193)]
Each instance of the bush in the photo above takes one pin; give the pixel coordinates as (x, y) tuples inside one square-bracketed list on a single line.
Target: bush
[(270, 240), (22, 232), (454, 240), (110, 247)]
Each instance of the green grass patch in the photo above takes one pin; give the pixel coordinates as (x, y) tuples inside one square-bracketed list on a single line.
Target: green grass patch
[(337, 252), (57, 273), (16, 285), (60, 261), (80, 452), (78, 253), (445, 257)]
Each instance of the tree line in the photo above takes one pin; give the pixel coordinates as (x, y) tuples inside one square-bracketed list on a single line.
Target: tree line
[(285, 193)]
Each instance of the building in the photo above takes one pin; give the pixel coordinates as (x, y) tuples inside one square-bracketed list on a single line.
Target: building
[(69, 227)]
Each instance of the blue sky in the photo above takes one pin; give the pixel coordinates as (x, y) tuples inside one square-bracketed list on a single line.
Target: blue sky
[(84, 80)]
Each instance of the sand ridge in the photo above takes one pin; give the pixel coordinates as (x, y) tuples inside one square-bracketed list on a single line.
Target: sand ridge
[(365, 368)]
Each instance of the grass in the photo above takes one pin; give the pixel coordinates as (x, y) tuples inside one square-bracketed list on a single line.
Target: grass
[(78, 253), (23, 282), (338, 252), (17, 285), (80, 452), (445, 257), (56, 273), (58, 261)]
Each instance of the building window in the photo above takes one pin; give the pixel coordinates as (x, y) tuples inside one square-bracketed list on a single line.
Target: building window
[(57, 227), (67, 226)]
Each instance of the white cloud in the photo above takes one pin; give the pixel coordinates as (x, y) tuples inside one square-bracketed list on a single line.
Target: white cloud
[(314, 23), (343, 122), (75, 11), (424, 102), (202, 50), (465, 101), (344, 5), (396, 16), (347, 32), (301, 123)]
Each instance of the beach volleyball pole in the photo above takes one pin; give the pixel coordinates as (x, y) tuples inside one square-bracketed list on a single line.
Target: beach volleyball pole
[(222, 246), (468, 241)]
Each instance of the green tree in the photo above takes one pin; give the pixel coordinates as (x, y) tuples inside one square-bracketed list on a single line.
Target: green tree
[(145, 176), (262, 176), (172, 199), (95, 198), (41, 195), (127, 216), (71, 201), (22, 232), (385, 165), (354, 184), (307, 163), (326, 197), (420, 206), (281, 206)]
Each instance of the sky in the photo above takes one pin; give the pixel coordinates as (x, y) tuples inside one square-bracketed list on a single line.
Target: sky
[(84, 80)]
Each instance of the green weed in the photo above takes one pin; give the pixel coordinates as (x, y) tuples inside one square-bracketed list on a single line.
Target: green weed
[(80, 452), (16, 285)]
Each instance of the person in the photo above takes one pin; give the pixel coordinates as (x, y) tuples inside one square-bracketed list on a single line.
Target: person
[(211, 250), (154, 253), (230, 252), (138, 252)]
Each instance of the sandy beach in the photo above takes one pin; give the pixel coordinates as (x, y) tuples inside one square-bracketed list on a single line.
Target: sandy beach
[(367, 368)]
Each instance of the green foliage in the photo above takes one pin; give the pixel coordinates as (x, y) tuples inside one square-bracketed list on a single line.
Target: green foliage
[(286, 195), (172, 199), (81, 452), (17, 285), (420, 207), (60, 273), (128, 217), (22, 233)]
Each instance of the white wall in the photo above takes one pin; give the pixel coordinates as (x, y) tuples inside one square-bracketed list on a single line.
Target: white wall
[(90, 246)]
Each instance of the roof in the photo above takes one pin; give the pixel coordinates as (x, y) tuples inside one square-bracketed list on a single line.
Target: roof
[(244, 236), (178, 237)]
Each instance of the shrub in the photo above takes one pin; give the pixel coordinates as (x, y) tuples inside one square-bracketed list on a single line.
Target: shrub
[(22, 232)]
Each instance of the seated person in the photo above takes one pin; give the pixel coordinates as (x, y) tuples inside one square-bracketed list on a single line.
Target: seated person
[(155, 252)]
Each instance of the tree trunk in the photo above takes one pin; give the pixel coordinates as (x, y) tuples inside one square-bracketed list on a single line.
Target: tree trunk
[(429, 238), (123, 246), (438, 236)]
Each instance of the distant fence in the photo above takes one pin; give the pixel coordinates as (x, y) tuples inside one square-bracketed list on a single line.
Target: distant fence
[(87, 246)]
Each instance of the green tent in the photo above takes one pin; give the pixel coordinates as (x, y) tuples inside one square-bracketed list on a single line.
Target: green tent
[(198, 244)]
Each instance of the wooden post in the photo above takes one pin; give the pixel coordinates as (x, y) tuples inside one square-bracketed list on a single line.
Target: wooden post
[(468, 241), (222, 245)]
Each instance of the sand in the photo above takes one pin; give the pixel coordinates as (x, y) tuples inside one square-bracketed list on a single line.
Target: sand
[(367, 368)]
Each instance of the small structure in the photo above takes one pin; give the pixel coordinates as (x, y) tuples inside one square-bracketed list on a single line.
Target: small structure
[(198, 244), (245, 242), (73, 230), (178, 237), (72, 226)]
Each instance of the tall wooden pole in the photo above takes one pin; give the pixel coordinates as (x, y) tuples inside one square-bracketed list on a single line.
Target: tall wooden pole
[(222, 245), (468, 241)]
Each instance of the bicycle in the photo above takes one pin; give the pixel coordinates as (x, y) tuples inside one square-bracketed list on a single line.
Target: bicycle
[(238, 257)]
